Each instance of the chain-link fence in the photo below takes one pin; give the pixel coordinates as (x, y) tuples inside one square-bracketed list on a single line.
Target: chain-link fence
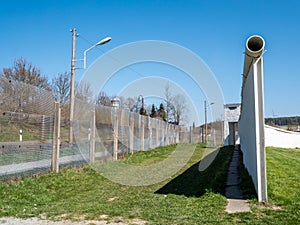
[(35, 132)]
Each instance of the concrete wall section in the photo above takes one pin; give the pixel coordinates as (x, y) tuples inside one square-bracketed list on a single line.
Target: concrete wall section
[(247, 128), (251, 128), (281, 138), (251, 123)]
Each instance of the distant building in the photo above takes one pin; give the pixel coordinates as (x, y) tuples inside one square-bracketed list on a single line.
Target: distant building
[(231, 119)]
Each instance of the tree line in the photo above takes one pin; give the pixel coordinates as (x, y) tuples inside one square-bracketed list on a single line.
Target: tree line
[(172, 109), (283, 121)]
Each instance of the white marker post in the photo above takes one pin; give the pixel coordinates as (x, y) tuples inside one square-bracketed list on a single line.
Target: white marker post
[(21, 132)]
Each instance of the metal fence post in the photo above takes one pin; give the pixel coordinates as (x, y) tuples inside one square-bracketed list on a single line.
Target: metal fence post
[(56, 138)]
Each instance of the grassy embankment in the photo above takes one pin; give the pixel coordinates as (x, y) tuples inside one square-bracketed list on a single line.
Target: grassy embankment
[(189, 197)]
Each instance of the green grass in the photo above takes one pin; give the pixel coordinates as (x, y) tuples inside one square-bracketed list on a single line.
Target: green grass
[(190, 197), (144, 158), (283, 179), (23, 156), (283, 171)]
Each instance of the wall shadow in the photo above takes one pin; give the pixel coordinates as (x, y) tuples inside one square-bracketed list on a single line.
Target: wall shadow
[(195, 181)]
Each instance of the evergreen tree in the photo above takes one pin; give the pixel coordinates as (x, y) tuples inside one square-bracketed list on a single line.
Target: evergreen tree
[(153, 111), (143, 111), (161, 112)]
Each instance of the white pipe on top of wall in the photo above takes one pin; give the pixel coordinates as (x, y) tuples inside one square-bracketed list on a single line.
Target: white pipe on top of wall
[(254, 49), (251, 123)]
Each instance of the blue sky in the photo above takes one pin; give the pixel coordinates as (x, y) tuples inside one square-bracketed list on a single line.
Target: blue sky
[(214, 30)]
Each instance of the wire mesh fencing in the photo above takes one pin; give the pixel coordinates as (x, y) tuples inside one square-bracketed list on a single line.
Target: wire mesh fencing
[(26, 118), (35, 132)]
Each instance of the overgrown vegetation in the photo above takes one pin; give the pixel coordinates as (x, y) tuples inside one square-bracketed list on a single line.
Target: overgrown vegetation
[(190, 197)]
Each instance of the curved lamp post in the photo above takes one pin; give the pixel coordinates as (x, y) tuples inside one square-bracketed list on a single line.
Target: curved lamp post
[(102, 42)]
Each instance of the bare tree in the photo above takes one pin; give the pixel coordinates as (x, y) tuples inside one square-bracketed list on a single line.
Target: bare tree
[(24, 71), (24, 87), (179, 108), (130, 104), (168, 102), (175, 106), (103, 99), (84, 92), (61, 87)]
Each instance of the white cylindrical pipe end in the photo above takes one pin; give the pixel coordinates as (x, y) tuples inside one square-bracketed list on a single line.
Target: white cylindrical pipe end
[(255, 46)]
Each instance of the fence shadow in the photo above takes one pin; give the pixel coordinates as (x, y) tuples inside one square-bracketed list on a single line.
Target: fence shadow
[(196, 180)]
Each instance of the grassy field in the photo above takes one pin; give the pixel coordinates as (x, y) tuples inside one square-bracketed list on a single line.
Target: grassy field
[(189, 197)]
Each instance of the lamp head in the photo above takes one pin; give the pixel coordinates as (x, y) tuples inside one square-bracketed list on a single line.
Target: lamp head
[(103, 41)]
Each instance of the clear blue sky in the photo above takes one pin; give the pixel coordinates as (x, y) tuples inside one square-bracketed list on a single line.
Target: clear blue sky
[(215, 30)]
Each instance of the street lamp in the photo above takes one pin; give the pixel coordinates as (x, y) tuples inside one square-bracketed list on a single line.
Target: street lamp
[(205, 112), (74, 35), (102, 42)]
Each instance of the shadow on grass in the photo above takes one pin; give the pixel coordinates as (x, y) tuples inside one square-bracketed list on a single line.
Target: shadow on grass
[(247, 185), (196, 180)]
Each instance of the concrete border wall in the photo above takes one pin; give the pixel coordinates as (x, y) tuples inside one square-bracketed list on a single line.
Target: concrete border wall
[(277, 137), (251, 122)]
